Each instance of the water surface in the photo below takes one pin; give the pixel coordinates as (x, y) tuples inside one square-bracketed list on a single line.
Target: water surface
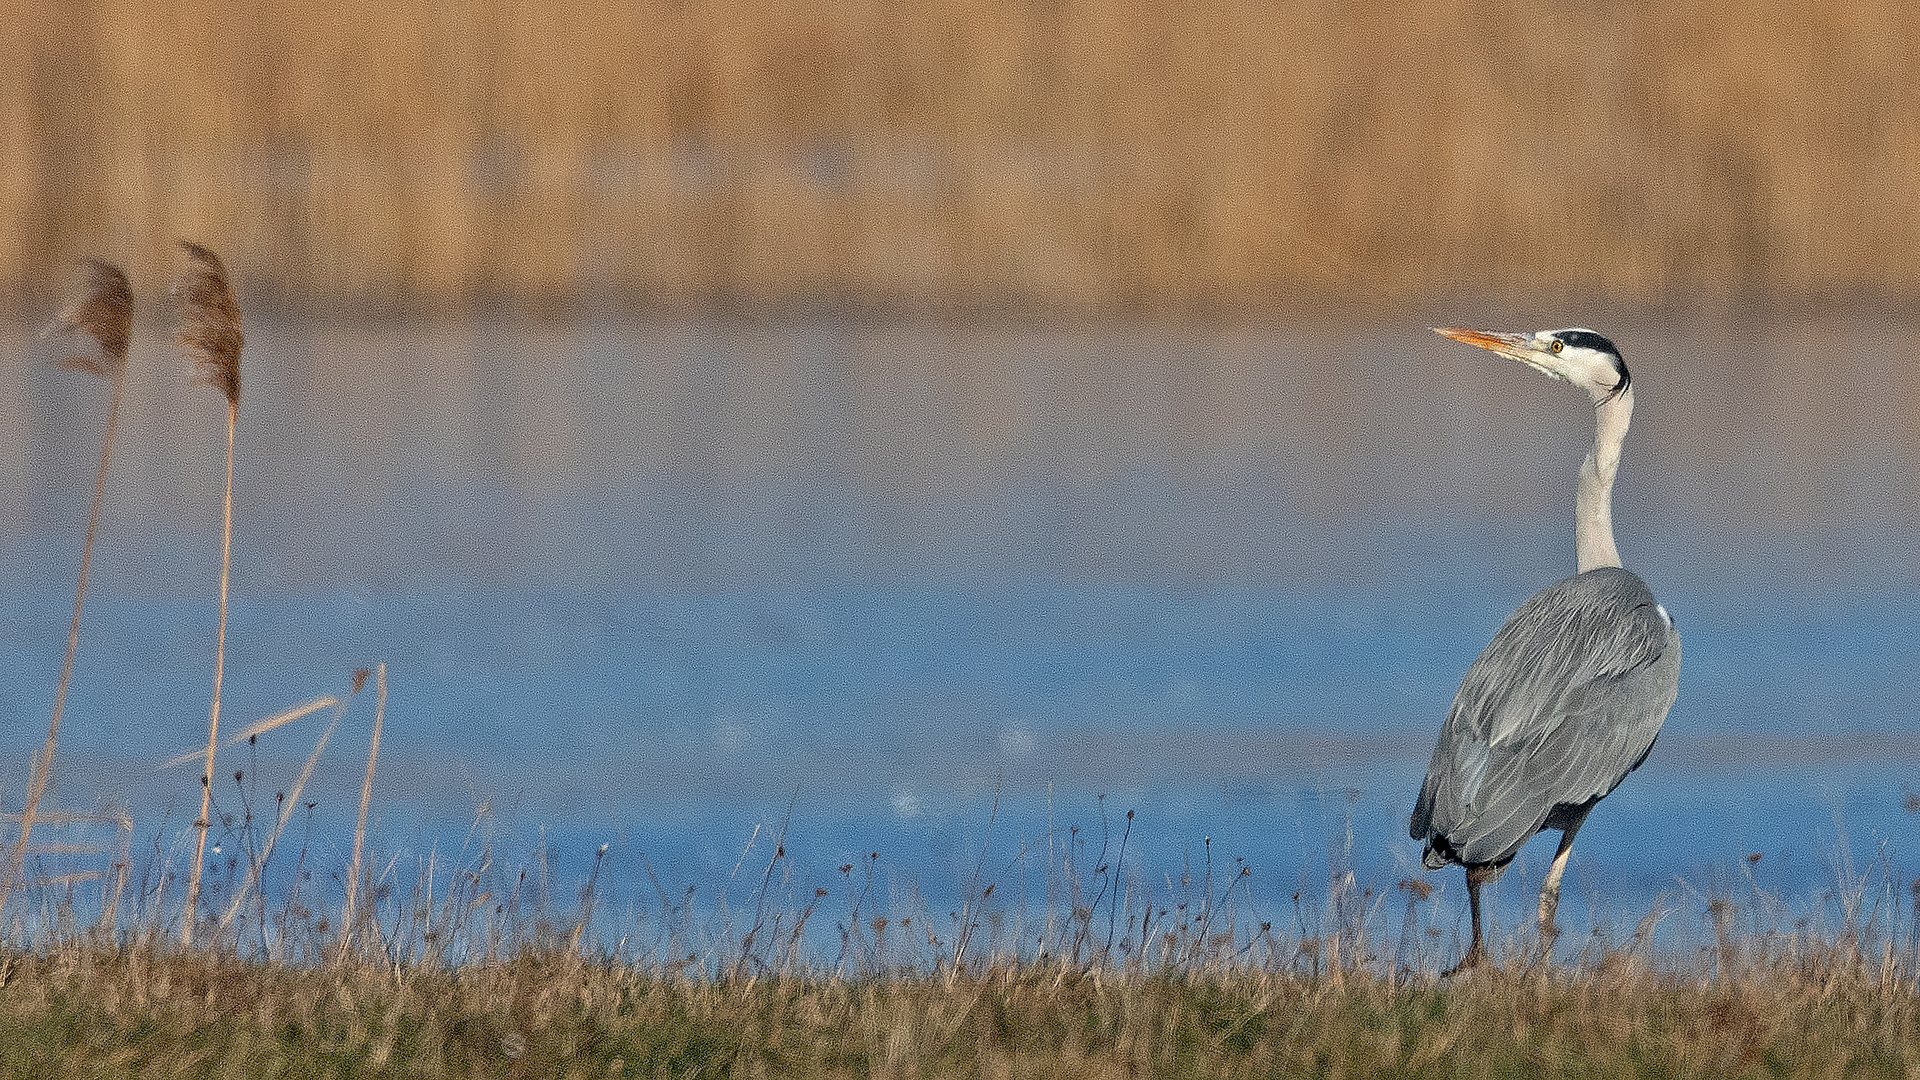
[(652, 582)]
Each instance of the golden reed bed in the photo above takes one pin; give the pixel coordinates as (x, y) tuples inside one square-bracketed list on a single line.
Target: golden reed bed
[(954, 155)]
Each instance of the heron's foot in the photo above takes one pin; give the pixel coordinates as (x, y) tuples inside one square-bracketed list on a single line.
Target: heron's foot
[(1543, 956), (1549, 928), (1476, 956)]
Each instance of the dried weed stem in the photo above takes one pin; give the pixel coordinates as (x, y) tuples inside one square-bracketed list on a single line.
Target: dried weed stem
[(210, 336), (103, 311)]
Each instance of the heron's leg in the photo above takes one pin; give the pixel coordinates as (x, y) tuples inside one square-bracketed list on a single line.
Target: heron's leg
[(1550, 888), (1477, 952)]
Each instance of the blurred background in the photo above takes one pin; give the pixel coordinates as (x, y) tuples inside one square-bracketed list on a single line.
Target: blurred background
[(1221, 157), (705, 408)]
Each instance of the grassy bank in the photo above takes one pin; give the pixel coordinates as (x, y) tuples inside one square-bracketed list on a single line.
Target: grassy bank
[(961, 153), (137, 1012), (483, 966)]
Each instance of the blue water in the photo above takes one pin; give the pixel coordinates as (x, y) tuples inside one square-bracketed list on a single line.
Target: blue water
[(672, 726), (808, 620)]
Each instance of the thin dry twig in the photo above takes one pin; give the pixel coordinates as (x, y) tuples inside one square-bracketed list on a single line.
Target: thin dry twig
[(210, 336), (277, 720), (366, 796), (291, 798), (103, 310)]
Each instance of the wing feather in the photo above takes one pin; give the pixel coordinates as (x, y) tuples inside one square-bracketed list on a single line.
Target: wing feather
[(1560, 706)]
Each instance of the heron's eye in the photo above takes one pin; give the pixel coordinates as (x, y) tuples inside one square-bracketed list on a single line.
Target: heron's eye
[(1556, 346)]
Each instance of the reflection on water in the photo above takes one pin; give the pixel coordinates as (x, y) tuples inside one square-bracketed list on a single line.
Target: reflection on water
[(714, 453), (652, 579)]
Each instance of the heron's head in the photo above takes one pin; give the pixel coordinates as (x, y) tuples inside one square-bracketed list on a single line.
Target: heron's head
[(1576, 355)]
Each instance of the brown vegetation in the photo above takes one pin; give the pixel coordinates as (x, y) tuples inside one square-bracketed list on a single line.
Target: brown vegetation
[(101, 309), (959, 153), (209, 335), (142, 1012)]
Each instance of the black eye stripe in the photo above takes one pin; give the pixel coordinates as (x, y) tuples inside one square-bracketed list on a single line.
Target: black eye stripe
[(1587, 339)]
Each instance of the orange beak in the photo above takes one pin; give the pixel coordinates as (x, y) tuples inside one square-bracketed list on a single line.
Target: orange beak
[(1519, 347), (1485, 339)]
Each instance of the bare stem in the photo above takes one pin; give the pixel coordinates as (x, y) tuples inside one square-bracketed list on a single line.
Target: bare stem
[(213, 713), (366, 797), (43, 762), (290, 800)]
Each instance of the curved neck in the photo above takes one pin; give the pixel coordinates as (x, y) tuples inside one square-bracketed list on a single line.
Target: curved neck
[(1593, 511)]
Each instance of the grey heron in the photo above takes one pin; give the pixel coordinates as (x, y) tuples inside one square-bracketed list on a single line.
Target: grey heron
[(1569, 696)]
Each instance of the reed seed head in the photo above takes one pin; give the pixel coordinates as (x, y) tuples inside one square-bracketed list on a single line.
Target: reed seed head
[(209, 321), (102, 309)]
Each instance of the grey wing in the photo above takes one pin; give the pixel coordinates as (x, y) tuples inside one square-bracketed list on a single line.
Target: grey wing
[(1562, 704)]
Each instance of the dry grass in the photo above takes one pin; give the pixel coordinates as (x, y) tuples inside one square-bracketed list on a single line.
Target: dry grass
[(209, 335), (960, 153), (347, 924), (102, 310), (289, 800), (140, 1011), (209, 331)]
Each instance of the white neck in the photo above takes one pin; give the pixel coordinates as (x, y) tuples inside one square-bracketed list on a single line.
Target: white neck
[(1593, 511)]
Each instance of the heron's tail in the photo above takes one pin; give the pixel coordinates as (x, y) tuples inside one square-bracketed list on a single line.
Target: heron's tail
[(1438, 852), (1420, 826)]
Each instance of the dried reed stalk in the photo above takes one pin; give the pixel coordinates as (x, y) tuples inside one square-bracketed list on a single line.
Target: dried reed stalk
[(366, 796), (102, 310), (277, 720), (210, 336), (292, 797), (122, 866)]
